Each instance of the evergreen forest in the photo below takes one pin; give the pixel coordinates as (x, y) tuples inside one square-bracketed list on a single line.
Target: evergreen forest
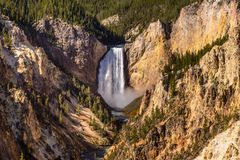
[(89, 13)]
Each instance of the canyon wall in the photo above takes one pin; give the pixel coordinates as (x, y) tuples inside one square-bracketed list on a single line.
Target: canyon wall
[(42, 109), (198, 25), (146, 56), (176, 122), (201, 24)]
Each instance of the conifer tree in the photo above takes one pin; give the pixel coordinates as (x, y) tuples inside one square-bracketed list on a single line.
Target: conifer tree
[(60, 117), (7, 40), (66, 108), (78, 109), (22, 156)]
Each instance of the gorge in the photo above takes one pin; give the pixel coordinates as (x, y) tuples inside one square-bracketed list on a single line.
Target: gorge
[(69, 93)]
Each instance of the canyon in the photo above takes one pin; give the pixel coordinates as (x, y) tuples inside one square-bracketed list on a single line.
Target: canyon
[(179, 82)]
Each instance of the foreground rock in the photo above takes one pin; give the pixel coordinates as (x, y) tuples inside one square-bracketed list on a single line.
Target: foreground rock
[(226, 145), (113, 20)]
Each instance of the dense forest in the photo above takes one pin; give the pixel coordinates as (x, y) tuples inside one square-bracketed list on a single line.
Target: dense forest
[(89, 13)]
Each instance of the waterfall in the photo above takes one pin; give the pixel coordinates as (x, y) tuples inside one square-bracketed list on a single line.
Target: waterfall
[(111, 79)]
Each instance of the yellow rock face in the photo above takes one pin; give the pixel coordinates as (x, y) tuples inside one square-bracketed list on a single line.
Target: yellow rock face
[(145, 72), (146, 57), (197, 26), (201, 24)]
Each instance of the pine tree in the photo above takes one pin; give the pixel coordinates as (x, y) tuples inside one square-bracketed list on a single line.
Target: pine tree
[(47, 102), (66, 108), (60, 117), (78, 109), (7, 40), (60, 99), (8, 87), (68, 93), (22, 156)]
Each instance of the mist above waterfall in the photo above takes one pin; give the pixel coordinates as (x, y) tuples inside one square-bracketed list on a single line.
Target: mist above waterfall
[(111, 80)]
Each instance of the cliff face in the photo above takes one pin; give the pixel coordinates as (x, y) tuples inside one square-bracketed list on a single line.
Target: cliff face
[(71, 48), (147, 56), (201, 24), (44, 112), (31, 62), (204, 101)]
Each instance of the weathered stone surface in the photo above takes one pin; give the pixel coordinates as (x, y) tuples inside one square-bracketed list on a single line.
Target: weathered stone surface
[(132, 34), (224, 146)]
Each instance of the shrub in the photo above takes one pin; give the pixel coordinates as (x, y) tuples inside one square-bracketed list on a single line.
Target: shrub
[(7, 40)]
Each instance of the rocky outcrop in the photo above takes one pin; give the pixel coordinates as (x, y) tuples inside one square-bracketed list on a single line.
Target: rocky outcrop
[(198, 25), (71, 48), (201, 24), (31, 62), (146, 56), (132, 34), (113, 20)]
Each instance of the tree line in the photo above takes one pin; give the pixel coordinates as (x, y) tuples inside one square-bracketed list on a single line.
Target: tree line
[(89, 13), (27, 12)]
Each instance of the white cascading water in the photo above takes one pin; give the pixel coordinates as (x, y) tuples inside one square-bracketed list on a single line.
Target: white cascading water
[(111, 79)]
